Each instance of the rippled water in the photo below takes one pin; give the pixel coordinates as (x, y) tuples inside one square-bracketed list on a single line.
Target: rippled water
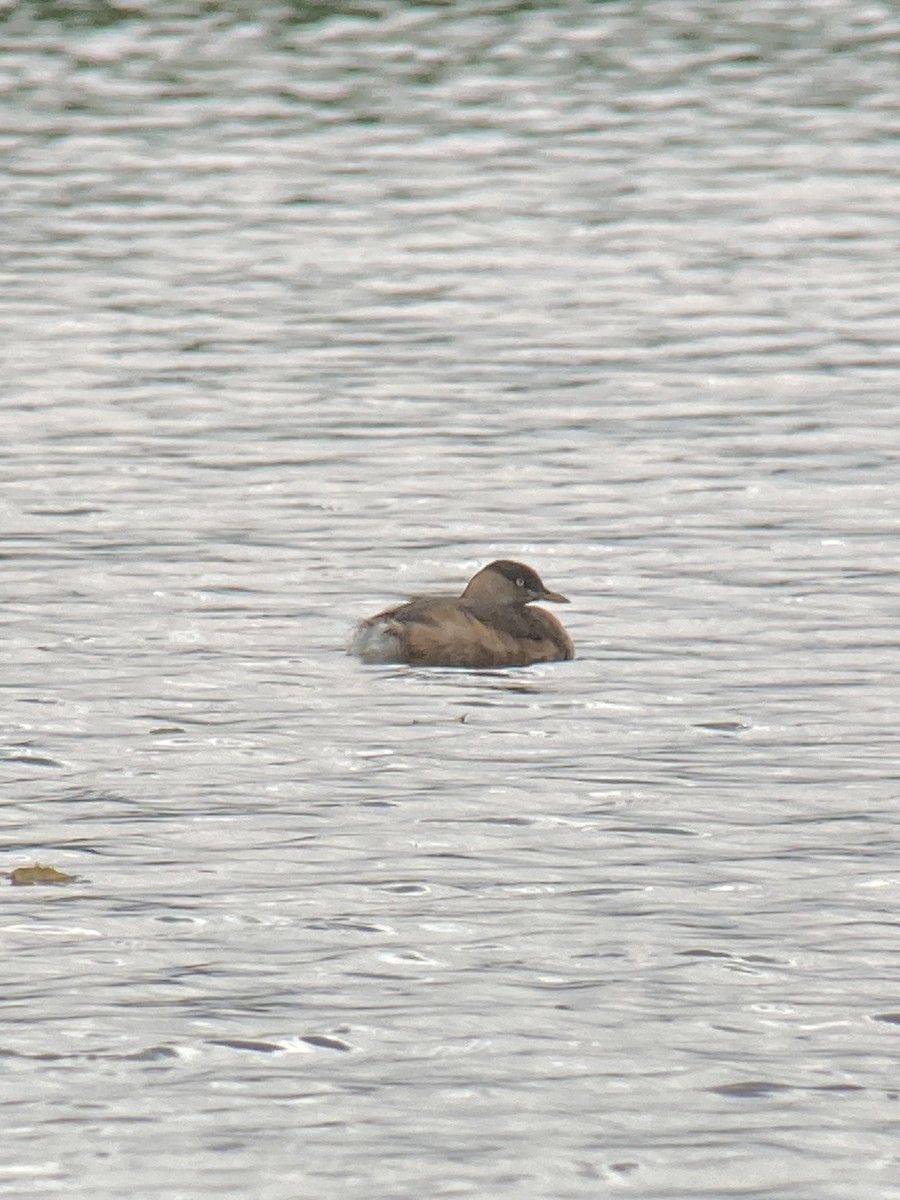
[(304, 311)]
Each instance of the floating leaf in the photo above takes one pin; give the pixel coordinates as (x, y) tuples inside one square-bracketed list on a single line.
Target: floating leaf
[(39, 873)]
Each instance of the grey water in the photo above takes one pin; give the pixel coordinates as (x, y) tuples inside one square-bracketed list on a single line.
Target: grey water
[(304, 309)]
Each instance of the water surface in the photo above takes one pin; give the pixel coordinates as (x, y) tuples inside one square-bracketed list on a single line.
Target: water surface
[(305, 310)]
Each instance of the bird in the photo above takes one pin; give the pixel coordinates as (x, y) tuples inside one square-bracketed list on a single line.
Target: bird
[(492, 624)]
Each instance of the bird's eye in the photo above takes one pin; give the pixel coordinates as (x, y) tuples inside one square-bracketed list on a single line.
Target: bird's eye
[(520, 582)]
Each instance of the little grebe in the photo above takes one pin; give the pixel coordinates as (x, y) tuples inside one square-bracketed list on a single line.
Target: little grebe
[(489, 625)]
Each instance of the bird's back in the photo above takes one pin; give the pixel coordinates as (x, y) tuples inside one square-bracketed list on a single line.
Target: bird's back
[(443, 631)]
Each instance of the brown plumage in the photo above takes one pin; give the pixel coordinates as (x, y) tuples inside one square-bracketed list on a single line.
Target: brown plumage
[(489, 625)]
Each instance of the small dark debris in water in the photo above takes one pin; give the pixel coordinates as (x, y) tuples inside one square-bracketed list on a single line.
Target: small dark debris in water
[(890, 1018), (722, 726), (38, 873), (325, 1043), (167, 729)]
